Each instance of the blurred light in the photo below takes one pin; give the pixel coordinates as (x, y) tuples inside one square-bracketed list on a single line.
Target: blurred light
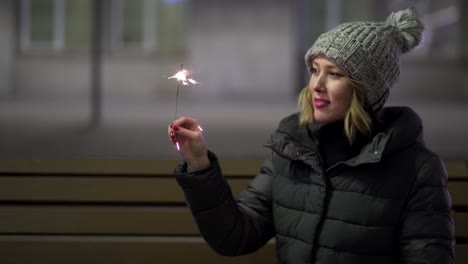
[(441, 18), (173, 1)]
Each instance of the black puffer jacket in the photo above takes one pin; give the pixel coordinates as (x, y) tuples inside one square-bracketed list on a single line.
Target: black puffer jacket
[(388, 204)]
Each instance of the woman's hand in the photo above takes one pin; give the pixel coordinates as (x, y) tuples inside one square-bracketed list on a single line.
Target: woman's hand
[(187, 133)]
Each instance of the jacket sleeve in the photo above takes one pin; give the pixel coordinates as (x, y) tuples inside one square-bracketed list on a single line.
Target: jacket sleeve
[(231, 227), (427, 229)]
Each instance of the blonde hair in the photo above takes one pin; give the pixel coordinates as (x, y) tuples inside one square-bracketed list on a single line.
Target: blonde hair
[(356, 120)]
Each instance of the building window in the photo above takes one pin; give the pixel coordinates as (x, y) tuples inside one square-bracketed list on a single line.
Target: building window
[(79, 21), (42, 25), (134, 25), (153, 27), (148, 26)]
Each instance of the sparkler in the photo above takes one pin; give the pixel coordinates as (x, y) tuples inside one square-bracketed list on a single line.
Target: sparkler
[(182, 78)]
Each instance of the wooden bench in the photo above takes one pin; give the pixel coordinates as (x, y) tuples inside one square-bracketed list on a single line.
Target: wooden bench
[(128, 211)]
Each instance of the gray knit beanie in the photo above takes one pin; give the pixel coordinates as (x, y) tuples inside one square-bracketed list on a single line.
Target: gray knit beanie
[(369, 51)]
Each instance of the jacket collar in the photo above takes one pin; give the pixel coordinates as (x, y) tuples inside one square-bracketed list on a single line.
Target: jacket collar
[(395, 129)]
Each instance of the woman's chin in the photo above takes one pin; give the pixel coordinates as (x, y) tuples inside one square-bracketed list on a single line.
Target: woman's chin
[(323, 118)]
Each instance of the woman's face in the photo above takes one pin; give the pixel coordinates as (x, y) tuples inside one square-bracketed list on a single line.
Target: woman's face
[(330, 90)]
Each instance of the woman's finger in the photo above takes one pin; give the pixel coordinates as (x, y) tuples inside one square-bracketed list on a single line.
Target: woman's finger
[(172, 136), (191, 134), (186, 122)]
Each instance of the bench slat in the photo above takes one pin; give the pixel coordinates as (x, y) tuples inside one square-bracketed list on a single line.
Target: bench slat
[(457, 170), (128, 189), (242, 168), (119, 250), (459, 193), (149, 220), (98, 189), (118, 220), (128, 249), (461, 227), (37, 166), (461, 253)]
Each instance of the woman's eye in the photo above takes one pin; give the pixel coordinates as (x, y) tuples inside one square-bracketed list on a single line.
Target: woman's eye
[(336, 74)]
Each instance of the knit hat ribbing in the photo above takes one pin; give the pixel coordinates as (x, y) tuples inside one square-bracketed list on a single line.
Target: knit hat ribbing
[(369, 51)]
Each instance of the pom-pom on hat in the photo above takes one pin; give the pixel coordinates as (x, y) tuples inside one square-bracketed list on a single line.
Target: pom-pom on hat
[(369, 51)]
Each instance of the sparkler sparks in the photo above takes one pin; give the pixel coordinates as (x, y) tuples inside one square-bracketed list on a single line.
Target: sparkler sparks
[(182, 78)]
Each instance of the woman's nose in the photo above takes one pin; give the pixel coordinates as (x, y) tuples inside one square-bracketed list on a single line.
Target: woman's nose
[(318, 84), (318, 88)]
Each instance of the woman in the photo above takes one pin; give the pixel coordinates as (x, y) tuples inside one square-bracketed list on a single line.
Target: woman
[(347, 181)]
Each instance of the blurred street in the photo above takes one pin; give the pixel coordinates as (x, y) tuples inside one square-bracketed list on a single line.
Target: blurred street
[(234, 130)]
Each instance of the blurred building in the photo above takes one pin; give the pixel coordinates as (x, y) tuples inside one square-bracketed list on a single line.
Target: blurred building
[(241, 48), (85, 101), (87, 56)]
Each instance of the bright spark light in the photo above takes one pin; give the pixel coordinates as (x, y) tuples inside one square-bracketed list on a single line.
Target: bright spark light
[(182, 77)]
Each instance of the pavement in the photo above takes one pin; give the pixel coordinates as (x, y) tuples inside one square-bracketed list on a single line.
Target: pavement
[(47, 128)]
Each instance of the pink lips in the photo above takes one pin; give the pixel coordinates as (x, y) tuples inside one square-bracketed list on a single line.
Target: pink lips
[(319, 102)]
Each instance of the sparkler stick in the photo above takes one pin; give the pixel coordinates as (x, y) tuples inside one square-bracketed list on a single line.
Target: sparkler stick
[(177, 96), (181, 78)]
